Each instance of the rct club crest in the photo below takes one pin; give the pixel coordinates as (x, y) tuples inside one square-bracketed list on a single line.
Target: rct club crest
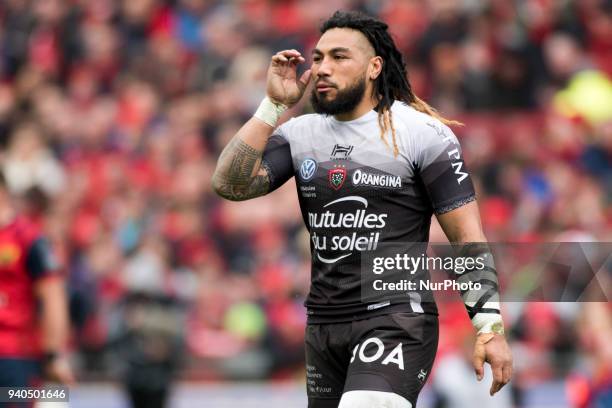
[(308, 169), (336, 177)]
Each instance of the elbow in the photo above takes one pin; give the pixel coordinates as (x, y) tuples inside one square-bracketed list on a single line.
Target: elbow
[(219, 186), (226, 190), (216, 184)]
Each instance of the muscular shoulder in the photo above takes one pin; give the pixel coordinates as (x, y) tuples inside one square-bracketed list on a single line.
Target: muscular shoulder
[(418, 125), (421, 134)]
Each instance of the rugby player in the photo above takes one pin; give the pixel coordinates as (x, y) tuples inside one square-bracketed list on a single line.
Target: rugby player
[(372, 165), (34, 319)]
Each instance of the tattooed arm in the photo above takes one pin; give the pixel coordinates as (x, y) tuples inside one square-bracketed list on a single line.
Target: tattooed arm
[(239, 174)]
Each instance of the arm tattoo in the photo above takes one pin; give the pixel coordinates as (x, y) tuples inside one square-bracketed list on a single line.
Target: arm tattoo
[(239, 174)]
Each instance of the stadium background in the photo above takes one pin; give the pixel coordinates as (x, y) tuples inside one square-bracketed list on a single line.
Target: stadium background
[(112, 114)]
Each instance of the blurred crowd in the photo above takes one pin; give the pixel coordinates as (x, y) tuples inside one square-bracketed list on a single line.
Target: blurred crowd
[(112, 114)]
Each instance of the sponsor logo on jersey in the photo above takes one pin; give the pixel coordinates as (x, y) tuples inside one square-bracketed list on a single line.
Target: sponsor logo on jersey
[(9, 254), (341, 152), (308, 191), (324, 224), (379, 305), (366, 178), (308, 169), (373, 350), (336, 177), (422, 375), (457, 165), (453, 152)]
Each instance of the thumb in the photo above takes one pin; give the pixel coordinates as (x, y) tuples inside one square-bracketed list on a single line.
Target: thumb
[(478, 364), (304, 80)]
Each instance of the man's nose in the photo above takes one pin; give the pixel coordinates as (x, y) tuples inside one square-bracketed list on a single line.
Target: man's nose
[(325, 68)]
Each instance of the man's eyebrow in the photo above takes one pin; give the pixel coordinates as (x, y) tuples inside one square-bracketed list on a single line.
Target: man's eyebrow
[(336, 49)]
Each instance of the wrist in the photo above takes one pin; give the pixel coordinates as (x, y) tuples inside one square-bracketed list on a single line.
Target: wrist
[(488, 323), (270, 111), (484, 338), (49, 357)]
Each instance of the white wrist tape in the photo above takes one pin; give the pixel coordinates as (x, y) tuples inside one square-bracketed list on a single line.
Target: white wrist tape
[(269, 112), (488, 323)]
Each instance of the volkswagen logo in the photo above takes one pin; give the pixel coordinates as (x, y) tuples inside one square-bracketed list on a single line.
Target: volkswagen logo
[(308, 169)]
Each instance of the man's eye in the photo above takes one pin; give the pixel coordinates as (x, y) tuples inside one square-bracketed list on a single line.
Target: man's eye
[(339, 57), (316, 59)]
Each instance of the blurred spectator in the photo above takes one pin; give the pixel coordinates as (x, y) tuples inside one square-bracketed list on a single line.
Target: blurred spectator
[(592, 385), (148, 343), (29, 163), (34, 325)]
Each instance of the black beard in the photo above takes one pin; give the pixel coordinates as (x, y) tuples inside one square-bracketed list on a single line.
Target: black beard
[(344, 102)]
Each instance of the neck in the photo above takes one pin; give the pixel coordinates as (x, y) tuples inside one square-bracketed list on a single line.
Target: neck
[(366, 105)]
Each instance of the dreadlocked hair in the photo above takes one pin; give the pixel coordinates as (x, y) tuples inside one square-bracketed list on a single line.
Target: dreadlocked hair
[(392, 83)]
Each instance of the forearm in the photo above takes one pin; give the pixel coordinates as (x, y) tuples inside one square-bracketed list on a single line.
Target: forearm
[(54, 319), (238, 175), (464, 230), (481, 302)]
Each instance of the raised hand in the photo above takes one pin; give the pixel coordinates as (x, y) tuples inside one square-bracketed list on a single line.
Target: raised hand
[(283, 86)]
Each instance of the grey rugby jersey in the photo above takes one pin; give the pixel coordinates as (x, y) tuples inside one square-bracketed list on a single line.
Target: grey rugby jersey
[(357, 199)]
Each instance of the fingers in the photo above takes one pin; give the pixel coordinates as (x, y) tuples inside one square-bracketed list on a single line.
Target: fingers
[(497, 353), (498, 377), (503, 366), (478, 364), (304, 80), (507, 373), (479, 372), (68, 379), (287, 56), (502, 374), (61, 372)]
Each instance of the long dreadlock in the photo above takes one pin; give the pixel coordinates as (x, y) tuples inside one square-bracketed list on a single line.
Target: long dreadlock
[(392, 83)]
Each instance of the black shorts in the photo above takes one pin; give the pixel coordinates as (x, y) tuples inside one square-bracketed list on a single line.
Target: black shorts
[(391, 353)]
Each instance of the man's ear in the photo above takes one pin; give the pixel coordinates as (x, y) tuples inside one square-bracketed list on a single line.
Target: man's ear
[(376, 65)]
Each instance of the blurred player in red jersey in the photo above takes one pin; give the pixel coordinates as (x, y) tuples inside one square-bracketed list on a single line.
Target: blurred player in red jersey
[(34, 319)]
